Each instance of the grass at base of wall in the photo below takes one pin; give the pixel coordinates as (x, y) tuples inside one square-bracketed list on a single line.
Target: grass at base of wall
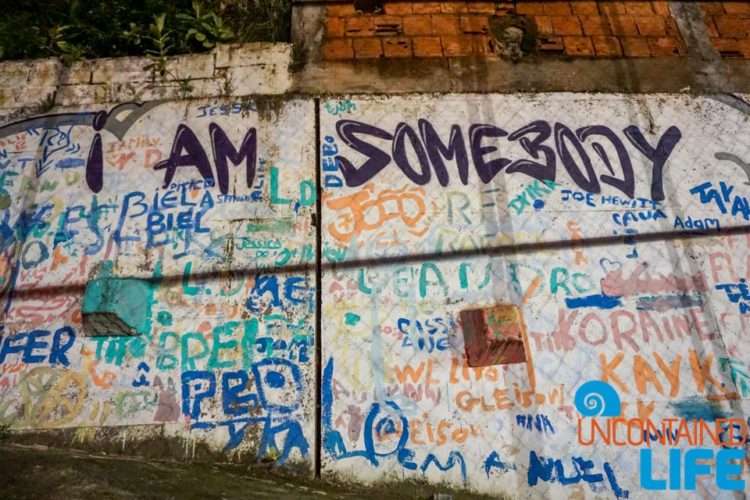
[(42, 472)]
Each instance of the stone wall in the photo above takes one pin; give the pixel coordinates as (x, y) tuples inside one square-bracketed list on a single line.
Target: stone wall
[(229, 70)]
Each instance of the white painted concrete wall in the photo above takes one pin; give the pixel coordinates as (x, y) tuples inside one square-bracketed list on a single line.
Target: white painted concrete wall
[(651, 317), (227, 359), (609, 287)]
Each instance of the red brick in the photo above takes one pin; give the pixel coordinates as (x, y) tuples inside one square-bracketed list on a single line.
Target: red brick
[(426, 8), (338, 49), (578, 46), (461, 45), (732, 27), (623, 25), (474, 24), (635, 47), (335, 27), (554, 8), (543, 25), (727, 47), (661, 8), (398, 8), (565, 25), (387, 25), (504, 7), (737, 7), (530, 8), (670, 26), (359, 26), (427, 46), (550, 44), (584, 8), (453, 7), (661, 47), (607, 46), (386, 19), (417, 25), (341, 9), (713, 8), (367, 48), (483, 44), (650, 26), (745, 48), (481, 7), (638, 8), (712, 31), (445, 24), (612, 8), (595, 25), (397, 47)]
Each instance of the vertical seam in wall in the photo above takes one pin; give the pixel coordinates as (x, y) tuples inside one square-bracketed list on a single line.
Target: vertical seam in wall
[(318, 295), (708, 70)]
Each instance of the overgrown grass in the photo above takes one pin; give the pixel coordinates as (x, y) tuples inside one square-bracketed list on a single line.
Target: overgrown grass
[(77, 29)]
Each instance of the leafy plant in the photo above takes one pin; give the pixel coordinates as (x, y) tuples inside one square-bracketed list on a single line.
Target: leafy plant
[(272, 455), (205, 27), (261, 19), (75, 29), (4, 432), (59, 45), (133, 35), (159, 37)]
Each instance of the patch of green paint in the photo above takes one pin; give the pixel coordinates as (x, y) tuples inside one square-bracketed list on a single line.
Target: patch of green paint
[(215, 362), (137, 347), (116, 350), (275, 198), (188, 289), (248, 342), (351, 318), (164, 318), (189, 355), (167, 360), (277, 225), (129, 299)]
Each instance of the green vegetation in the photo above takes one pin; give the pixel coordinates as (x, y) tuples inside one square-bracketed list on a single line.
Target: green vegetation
[(77, 29)]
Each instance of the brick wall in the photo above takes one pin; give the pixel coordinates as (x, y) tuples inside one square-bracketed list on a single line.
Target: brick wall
[(729, 27), (450, 29)]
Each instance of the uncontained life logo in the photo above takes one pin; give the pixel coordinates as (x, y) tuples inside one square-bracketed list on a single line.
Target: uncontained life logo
[(682, 444)]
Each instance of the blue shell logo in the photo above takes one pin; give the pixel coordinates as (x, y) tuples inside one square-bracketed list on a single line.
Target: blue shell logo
[(597, 399)]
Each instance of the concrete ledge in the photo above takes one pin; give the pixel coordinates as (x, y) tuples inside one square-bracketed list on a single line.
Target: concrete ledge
[(32, 72), (483, 74), (265, 68), (249, 54), (228, 70)]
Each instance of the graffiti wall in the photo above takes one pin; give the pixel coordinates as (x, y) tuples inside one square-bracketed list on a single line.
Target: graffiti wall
[(200, 214), (615, 223)]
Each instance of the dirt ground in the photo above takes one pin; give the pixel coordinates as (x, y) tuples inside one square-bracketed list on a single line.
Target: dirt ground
[(39, 472)]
